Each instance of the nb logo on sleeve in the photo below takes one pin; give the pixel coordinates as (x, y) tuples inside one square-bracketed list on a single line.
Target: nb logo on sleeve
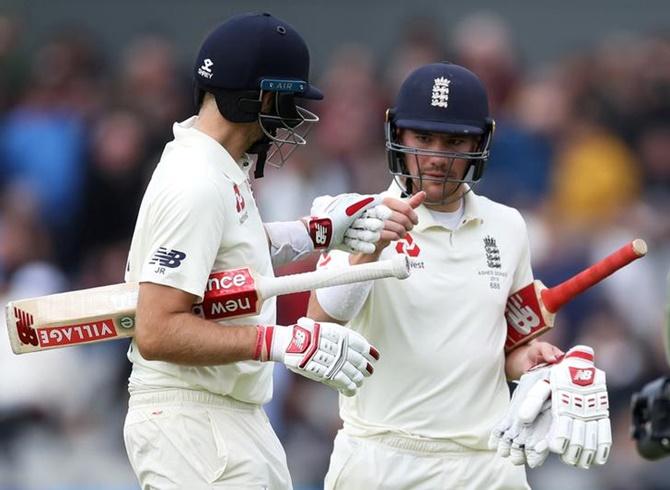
[(167, 258)]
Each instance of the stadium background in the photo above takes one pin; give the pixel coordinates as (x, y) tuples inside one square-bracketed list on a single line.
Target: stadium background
[(88, 93)]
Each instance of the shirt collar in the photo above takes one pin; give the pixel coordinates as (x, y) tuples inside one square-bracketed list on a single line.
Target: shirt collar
[(238, 171), (471, 213)]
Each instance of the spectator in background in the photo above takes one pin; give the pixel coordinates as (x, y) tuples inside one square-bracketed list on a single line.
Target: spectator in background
[(420, 42), (118, 171), (152, 84), (12, 64), (24, 239), (483, 42), (348, 134), (54, 399), (43, 139), (518, 170), (613, 182)]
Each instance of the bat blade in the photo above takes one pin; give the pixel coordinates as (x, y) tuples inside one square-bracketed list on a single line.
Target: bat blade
[(108, 312), (76, 317), (531, 311)]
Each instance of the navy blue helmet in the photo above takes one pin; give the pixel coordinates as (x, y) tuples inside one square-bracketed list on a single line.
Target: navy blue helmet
[(439, 98), (247, 56)]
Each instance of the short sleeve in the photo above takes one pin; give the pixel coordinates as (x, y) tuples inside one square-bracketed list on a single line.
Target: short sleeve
[(183, 236)]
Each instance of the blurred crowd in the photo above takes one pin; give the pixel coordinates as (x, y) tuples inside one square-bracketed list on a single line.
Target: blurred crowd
[(582, 148)]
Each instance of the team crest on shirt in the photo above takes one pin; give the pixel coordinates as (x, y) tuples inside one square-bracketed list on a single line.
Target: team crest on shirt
[(493, 261), (492, 252), (409, 247), (240, 205)]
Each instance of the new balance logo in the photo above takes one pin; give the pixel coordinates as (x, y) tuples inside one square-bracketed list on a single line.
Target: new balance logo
[(167, 258), (205, 69), (321, 235), (300, 341), (520, 316), (24, 323), (320, 230), (582, 376)]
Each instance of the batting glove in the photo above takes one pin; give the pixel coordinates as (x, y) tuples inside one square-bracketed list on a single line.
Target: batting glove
[(562, 408), (580, 430), (523, 443), (349, 222), (324, 352)]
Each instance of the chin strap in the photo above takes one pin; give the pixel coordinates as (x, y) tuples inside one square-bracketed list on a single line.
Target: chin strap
[(408, 188), (260, 149), (260, 163)]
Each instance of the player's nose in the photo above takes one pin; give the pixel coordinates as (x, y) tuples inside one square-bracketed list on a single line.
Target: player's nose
[(436, 167)]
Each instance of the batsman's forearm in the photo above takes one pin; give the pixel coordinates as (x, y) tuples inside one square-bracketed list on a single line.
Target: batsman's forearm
[(184, 338)]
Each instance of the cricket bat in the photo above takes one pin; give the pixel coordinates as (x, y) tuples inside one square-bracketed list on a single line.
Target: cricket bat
[(531, 311), (108, 312)]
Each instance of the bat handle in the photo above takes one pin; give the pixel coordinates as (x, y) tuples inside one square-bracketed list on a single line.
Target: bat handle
[(398, 267), (554, 298)]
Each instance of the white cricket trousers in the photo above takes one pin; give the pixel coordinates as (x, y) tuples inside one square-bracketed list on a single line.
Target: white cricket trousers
[(401, 463), (193, 440)]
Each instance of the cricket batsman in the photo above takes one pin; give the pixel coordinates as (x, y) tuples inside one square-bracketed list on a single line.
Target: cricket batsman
[(197, 386), (425, 420)]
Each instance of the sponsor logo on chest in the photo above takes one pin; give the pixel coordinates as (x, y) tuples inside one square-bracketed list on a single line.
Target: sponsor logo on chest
[(409, 247)]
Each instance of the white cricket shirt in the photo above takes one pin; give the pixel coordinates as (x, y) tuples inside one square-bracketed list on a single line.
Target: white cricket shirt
[(441, 332), (199, 216)]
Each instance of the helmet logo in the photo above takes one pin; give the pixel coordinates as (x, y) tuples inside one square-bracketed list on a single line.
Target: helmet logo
[(205, 69), (440, 95)]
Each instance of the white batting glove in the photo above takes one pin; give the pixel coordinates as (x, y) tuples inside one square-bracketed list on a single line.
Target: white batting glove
[(513, 438), (325, 352), (349, 222), (580, 430), (532, 440), (562, 408)]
